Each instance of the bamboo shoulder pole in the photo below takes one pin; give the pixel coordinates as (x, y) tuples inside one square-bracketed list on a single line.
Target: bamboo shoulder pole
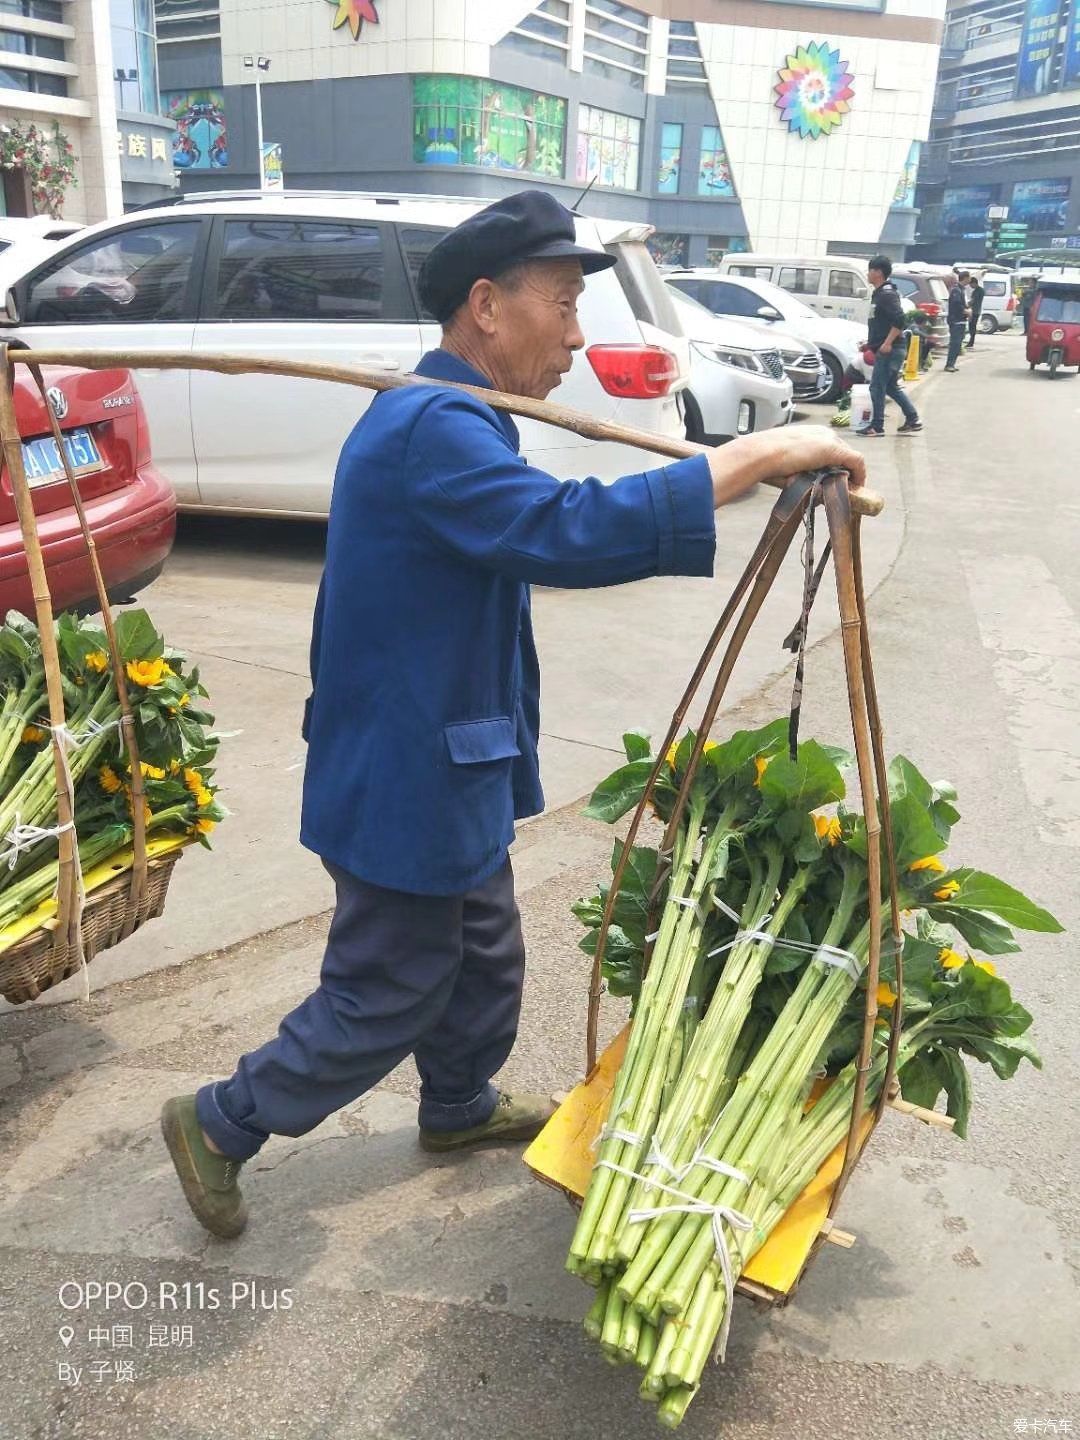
[(863, 502)]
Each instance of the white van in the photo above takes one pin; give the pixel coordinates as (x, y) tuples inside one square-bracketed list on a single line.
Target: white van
[(834, 285), (324, 276)]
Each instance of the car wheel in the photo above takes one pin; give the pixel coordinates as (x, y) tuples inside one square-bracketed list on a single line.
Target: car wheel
[(836, 376), (987, 325)]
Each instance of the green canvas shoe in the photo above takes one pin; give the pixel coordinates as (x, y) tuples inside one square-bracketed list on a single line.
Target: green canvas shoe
[(208, 1179), (515, 1117)]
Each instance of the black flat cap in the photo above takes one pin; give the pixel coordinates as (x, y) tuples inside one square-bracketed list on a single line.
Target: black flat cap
[(531, 225)]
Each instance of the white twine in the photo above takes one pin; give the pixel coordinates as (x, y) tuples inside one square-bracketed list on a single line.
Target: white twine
[(717, 1215), (21, 838), (70, 741), (679, 1172), (688, 903), (66, 741)]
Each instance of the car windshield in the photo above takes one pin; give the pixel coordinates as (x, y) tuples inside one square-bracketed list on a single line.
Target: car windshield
[(1061, 308), (650, 299), (681, 298), (939, 289)]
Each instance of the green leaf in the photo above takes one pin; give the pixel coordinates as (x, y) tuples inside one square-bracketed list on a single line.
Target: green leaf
[(620, 792), (136, 637), (636, 743), (640, 873), (981, 931), (979, 891), (736, 754), (905, 779), (805, 783), (914, 833), (920, 1081), (957, 1084), (1003, 1053)]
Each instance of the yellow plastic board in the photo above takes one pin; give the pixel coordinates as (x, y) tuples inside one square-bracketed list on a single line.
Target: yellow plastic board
[(108, 870), (563, 1155)]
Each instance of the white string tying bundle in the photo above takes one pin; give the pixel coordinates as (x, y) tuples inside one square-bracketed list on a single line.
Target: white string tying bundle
[(827, 954), (718, 1216), (22, 837)]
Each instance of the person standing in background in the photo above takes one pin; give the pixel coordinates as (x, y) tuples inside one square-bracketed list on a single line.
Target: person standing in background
[(957, 317), (975, 304), (886, 345)]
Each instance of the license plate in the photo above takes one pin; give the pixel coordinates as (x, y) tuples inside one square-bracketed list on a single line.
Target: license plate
[(41, 457)]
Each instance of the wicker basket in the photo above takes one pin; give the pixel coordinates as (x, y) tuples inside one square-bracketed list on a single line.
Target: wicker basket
[(38, 962), (86, 917)]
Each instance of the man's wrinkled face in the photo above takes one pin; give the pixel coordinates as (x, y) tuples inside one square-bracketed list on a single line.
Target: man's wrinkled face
[(535, 328)]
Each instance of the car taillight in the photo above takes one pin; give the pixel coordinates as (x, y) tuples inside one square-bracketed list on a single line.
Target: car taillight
[(142, 434), (1010, 304), (634, 372), (928, 307)]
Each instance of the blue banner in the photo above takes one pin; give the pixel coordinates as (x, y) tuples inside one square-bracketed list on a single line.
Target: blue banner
[(1040, 204), (1070, 65), (1038, 41)]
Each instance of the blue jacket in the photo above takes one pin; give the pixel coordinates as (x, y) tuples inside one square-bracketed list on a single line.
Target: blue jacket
[(424, 717)]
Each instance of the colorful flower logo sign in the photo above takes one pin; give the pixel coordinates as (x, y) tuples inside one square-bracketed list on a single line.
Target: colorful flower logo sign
[(353, 13), (815, 90)]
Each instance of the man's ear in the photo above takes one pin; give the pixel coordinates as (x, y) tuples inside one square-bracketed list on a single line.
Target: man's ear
[(484, 305)]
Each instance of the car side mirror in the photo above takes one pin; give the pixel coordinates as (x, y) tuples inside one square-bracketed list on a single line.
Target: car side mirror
[(769, 312), (11, 309)]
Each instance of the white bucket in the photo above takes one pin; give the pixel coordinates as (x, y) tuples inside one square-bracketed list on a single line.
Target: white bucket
[(862, 409)]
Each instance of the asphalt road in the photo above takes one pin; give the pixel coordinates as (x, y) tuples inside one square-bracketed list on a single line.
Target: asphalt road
[(428, 1300)]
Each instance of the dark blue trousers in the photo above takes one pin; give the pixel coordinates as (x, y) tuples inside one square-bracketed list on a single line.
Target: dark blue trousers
[(438, 977), (885, 381)]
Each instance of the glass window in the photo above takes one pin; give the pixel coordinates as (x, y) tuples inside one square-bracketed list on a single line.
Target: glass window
[(300, 270), (716, 247), (34, 9), (43, 46), (649, 297), (135, 55), (139, 275), (714, 173), (756, 272), (1060, 309), (634, 78), (461, 120), (800, 280), (842, 283), (608, 148), (667, 182), (905, 287), (724, 298), (996, 288), (417, 243), (621, 12), (668, 249)]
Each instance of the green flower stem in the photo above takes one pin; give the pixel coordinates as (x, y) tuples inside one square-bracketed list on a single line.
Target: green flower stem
[(643, 1060), (641, 1113)]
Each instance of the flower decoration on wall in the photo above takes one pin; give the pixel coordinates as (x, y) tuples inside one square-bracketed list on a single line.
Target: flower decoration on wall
[(815, 90), (353, 13)]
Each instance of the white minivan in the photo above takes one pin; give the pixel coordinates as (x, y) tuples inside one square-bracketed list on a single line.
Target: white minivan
[(834, 285), (327, 277)]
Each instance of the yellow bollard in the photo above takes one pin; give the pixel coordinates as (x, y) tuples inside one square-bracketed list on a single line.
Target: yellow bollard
[(911, 364)]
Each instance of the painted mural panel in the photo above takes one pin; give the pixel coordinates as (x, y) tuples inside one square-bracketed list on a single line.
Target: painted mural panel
[(462, 120)]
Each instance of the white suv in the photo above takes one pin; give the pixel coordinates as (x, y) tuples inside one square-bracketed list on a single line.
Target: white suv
[(331, 277)]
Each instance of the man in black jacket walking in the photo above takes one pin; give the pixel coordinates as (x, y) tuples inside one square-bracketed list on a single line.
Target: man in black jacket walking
[(885, 339), (957, 316)]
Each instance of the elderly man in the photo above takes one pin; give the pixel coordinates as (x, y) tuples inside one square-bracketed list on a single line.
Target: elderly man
[(424, 719)]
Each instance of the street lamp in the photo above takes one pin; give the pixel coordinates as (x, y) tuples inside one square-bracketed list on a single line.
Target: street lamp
[(260, 64), (122, 78)]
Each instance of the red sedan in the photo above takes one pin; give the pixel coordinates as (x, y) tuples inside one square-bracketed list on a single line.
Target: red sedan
[(130, 506)]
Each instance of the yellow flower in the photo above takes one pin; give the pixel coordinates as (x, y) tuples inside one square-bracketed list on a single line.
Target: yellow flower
[(711, 745), (760, 765), (33, 735), (152, 772), (146, 673), (948, 890), (951, 959), (203, 798), (97, 661), (109, 781), (670, 756), (167, 668), (174, 767), (193, 780), (886, 995), (828, 828), (930, 862), (203, 825), (987, 965), (184, 699)]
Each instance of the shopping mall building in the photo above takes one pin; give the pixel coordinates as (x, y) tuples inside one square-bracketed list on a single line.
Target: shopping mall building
[(724, 123)]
